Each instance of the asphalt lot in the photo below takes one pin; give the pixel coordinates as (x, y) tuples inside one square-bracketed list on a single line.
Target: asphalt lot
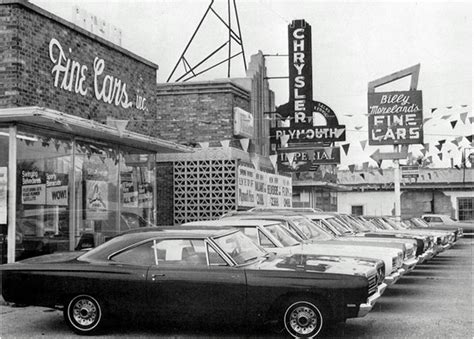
[(433, 301)]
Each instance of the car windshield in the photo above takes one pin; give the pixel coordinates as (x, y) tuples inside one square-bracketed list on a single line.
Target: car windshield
[(340, 227), (419, 222), (285, 237), (239, 247), (310, 229)]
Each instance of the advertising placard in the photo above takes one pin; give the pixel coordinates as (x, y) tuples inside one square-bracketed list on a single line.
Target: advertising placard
[(33, 187), (246, 187), (258, 188), (145, 195), (57, 189), (395, 118)]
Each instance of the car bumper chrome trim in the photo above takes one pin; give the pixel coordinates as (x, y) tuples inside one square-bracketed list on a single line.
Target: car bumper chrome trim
[(365, 308), (410, 264), (392, 278)]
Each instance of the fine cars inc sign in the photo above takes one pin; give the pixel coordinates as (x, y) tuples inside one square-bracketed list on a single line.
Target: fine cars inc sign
[(395, 118)]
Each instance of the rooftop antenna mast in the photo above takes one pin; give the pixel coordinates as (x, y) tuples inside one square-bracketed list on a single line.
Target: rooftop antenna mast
[(192, 71)]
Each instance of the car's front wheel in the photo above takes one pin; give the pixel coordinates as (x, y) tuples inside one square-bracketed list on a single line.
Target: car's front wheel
[(83, 314), (303, 318)]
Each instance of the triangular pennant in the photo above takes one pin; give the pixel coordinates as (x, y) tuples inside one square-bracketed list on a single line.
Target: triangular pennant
[(439, 147), (444, 117), (440, 155), (469, 137), (273, 160), (245, 144), (362, 175), (380, 171), (351, 168), (457, 167), (459, 139), (363, 143), (449, 107), (423, 151), (204, 144), (441, 142), (121, 125), (284, 140), (432, 110), (225, 143), (453, 123), (455, 142), (426, 146), (345, 147), (339, 132), (471, 119), (358, 128), (328, 151), (464, 105), (255, 162), (290, 157), (463, 117), (379, 163), (426, 120)]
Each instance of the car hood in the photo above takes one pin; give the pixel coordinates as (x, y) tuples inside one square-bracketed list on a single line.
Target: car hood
[(380, 242), (298, 262)]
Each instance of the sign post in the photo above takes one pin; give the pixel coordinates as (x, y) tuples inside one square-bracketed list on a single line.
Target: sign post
[(395, 118)]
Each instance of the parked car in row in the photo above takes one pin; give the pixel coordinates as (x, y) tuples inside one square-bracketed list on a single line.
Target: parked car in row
[(198, 274), (326, 244), (447, 222)]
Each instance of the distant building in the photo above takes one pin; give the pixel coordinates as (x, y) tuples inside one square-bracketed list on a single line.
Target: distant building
[(437, 190)]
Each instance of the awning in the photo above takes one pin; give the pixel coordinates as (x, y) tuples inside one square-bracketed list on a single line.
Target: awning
[(70, 124)]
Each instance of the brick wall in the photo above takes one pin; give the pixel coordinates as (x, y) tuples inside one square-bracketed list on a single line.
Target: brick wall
[(26, 69), (165, 197), (198, 111)]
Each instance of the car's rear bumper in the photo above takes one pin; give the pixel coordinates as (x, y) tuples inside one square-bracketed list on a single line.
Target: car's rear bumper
[(365, 308)]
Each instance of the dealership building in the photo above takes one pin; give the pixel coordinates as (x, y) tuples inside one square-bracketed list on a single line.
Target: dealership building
[(92, 146)]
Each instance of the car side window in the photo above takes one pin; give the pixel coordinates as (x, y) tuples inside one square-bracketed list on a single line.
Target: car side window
[(214, 258), (141, 255), (427, 219), (436, 219), (181, 252), (265, 241), (250, 232)]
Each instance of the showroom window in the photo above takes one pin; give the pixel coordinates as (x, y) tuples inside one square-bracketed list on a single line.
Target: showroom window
[(43, 202)]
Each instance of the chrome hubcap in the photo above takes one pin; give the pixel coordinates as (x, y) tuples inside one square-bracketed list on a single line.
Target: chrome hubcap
[(303, 320), (84, 312)]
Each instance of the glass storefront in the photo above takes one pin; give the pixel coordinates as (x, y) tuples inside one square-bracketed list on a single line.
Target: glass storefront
[(74, 193)]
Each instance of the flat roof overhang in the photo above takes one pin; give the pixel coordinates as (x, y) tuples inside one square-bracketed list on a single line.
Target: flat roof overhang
[(57, 121)]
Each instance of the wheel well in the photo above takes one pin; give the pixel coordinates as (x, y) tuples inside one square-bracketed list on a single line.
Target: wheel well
[(277, 307)]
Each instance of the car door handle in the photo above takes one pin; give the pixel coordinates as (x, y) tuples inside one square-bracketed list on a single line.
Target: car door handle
[(154, 276)]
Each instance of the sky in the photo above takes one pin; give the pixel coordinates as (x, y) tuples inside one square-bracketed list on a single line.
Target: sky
[(353, 42)]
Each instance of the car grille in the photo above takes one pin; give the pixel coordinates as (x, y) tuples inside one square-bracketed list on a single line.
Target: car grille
[(372, 283)]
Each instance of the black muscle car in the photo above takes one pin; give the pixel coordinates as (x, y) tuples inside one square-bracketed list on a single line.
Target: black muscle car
[(212, 275)]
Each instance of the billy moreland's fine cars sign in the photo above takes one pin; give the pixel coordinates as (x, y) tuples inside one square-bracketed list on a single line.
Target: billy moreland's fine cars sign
[(395, 118)]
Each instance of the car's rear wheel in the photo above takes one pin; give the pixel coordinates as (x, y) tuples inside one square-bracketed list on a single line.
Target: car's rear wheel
[(83, 314), (303, 318)]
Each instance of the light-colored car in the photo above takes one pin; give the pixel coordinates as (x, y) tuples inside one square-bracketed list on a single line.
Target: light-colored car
[(437, 220), (324, 243)]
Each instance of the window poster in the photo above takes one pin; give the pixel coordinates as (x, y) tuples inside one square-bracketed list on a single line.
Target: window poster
[(33, 187), (97, 194), (57, 189), (129, 191), (145, 195), (3, 194)]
